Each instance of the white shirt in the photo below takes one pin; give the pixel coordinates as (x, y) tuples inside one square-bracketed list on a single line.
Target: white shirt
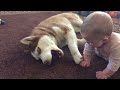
[(110, 51)]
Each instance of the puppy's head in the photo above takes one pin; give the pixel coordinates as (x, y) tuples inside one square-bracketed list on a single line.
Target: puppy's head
[(42, 48)]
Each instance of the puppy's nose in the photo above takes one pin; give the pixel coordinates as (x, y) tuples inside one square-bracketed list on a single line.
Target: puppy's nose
[(47, 62)]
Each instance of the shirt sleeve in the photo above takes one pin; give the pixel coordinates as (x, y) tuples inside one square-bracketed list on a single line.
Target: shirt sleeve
[(88, 49), (114, 58)]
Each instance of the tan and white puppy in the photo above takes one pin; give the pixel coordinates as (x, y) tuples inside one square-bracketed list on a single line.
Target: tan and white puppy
[(54, 33)]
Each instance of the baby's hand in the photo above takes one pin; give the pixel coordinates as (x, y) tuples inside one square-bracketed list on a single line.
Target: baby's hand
[(101, 75), (86, 61), (104, 74)]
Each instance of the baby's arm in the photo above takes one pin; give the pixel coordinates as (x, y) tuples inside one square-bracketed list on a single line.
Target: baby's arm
[(106, 73), (86, 61), (113, 65), (87, 55), (111, 68)]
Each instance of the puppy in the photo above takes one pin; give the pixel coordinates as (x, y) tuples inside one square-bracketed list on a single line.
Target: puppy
[(54, 33)]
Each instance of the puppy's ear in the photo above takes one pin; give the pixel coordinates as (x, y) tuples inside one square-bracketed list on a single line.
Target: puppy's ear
[(27, 40)]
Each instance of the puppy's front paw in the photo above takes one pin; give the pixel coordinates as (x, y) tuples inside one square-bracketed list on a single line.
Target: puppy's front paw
[(78, 58)]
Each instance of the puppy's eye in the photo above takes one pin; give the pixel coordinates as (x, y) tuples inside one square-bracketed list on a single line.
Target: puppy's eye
[(38, 50)]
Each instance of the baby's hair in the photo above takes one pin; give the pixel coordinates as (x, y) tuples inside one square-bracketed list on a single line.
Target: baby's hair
[(99, 23)]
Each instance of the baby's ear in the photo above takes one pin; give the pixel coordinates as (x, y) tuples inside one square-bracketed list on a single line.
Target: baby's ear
[(27, 40)]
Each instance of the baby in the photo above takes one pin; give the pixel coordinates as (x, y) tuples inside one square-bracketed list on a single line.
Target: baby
[(97, 30)]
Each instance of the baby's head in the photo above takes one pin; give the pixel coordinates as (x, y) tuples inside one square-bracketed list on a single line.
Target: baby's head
[(97, 28)]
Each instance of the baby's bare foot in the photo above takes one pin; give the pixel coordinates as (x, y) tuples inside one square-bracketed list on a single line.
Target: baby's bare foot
[(85, 63)]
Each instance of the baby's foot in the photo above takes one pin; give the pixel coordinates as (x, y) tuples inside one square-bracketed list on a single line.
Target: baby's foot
[(85, 63)]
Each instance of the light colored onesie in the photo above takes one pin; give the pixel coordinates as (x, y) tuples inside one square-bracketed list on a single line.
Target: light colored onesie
[(110, 51)]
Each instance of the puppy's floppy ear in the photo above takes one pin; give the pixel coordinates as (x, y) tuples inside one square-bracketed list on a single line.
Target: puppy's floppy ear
[(27, 40)]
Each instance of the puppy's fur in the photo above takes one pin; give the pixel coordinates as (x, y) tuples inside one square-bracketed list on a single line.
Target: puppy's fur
[(54, 33)]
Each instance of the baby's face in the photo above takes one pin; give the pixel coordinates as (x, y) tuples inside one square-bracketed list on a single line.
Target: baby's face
[(94, 41)]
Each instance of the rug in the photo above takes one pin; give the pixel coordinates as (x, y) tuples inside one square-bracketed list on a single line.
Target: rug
[(16, 64)]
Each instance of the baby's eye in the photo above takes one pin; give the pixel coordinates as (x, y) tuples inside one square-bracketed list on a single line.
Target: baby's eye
[(90, 42)]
